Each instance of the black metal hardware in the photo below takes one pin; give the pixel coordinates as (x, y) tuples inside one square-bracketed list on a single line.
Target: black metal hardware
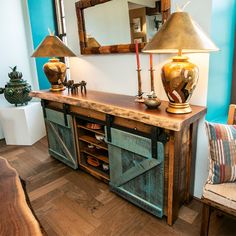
[(163, 137), (158, 135), (154, 135), (66, 109), (43, 104), (109, 120)]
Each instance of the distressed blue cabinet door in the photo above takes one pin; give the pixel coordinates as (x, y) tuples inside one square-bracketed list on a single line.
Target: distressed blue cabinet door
[(61, 144), (134, 174)]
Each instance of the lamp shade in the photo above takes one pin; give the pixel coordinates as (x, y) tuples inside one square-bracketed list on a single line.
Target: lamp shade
[(180, 32), (52, 46)]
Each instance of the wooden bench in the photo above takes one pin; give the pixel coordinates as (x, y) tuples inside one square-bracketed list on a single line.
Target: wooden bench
[(16, 217)]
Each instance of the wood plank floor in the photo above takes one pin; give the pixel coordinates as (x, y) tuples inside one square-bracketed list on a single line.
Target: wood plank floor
[(69, 202)]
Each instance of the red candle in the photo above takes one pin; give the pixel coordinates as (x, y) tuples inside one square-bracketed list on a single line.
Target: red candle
[(151, 62), (151, 73), (137, 56)]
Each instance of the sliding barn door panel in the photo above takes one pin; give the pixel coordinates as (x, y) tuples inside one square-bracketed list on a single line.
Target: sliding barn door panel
[(61, 143), (134, 174)]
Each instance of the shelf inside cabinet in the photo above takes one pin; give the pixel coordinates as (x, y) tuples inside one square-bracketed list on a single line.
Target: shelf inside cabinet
[(95, 170), (93, 141), (99, 154), (96, 131), (86, 137)]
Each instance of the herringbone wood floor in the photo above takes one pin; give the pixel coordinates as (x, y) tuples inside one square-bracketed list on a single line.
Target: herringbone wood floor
[(69, 202)]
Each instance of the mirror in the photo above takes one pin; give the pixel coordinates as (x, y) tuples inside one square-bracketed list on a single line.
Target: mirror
[(114, 26)]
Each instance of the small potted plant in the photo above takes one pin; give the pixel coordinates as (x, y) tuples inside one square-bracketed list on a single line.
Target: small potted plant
[(17, 90)]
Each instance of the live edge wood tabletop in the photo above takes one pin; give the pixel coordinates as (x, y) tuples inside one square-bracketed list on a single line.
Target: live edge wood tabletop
[(160, 148)]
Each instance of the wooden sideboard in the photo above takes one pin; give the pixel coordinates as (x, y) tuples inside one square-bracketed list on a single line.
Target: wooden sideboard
[(150, 153)]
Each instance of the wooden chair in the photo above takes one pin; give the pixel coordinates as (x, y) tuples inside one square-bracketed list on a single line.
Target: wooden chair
[(219, 196)]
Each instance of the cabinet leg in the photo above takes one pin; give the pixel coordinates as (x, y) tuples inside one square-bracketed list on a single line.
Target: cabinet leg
[(206, 212), (170, 220)]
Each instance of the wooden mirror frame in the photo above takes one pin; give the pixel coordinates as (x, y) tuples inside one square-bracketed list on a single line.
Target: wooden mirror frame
[(120, 48)]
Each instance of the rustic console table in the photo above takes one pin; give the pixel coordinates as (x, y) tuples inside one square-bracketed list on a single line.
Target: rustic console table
[(150, 153)]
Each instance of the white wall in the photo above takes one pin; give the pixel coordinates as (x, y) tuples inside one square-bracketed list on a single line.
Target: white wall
[(117, 73), (14, 45)]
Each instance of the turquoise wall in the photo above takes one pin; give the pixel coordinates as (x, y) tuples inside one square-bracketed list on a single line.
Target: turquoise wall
[(221, 63), (42, 17)]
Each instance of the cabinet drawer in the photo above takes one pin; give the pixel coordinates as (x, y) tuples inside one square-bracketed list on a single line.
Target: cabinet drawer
[(88, 113), (132, 124), (54, 105)]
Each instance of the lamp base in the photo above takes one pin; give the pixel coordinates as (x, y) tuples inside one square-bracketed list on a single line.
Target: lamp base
[(57, 88), (55, 72), (178, 108), (179, 78)]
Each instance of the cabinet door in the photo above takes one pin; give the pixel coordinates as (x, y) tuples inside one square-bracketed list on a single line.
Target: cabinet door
[(134, 174), (61, 142)]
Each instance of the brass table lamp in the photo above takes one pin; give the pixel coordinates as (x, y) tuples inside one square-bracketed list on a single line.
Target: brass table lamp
[(55, 70), (180, 34)]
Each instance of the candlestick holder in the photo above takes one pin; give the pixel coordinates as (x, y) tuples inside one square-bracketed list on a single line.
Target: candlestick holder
[(139, 97)]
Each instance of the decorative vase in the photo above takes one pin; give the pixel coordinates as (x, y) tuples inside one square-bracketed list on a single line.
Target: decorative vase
[(179, 79), (17, 90)]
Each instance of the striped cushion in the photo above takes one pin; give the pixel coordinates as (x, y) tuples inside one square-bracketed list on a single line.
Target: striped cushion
[(222, 145)]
